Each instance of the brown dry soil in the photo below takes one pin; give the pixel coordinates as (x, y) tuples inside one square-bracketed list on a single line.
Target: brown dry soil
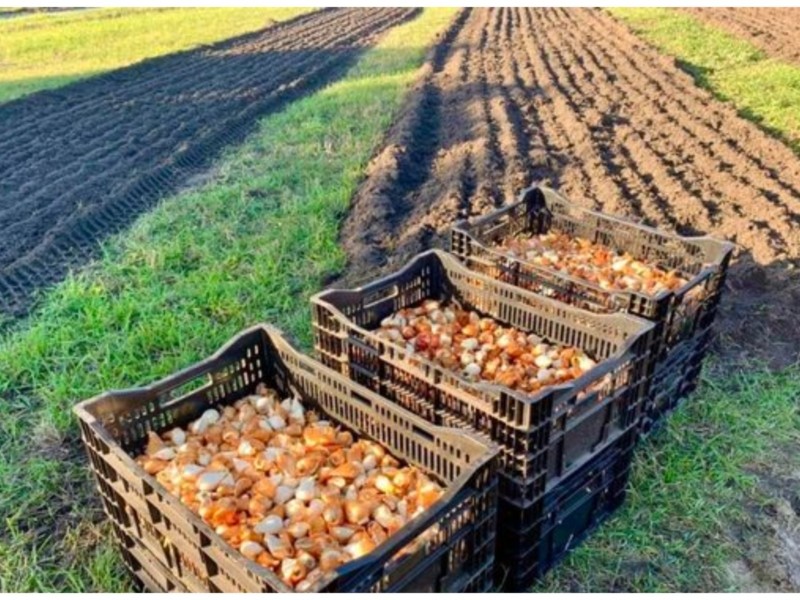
[(574, 99), (775, 30), (81, 162)]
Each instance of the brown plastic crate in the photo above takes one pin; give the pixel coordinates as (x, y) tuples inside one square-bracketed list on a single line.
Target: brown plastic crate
[(544, 435), (169, 548), (680, 316)]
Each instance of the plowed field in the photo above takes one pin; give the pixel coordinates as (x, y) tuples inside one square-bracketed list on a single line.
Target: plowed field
[(774, 30), (82, 162), (571, 97)]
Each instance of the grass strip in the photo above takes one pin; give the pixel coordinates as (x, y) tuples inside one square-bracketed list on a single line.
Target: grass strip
[(48, 50), (763, 90), (249, 246)]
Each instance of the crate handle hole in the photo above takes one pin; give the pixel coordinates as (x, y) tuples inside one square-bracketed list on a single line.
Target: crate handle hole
[(362, 399), (378, 296), (177, 394), (422, 433)]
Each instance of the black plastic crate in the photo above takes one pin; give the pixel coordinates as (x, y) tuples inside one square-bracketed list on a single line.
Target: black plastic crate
[(533, 538), (149, 573), (680, 316), (169, 548), (543, 436), (675, 378)]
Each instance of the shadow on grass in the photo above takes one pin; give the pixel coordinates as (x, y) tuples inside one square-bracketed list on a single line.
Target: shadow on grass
[(15, 89)]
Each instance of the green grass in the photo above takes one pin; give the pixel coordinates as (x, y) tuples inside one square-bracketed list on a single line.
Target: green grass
[(250, 246), (763, 90), (693, 490), (44, 51)]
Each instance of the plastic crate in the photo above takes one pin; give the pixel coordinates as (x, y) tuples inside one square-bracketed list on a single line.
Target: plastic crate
[(533, 539), (168, 547), (543, 436), (674, 378), (149, 573), (679, 316)]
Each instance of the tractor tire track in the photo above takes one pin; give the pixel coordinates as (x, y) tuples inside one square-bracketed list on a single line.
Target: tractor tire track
[(573, 98), (81, 162)]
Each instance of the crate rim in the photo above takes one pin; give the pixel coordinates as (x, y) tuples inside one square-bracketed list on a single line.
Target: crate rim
[(721, 254), (381, 553), (595, 374)]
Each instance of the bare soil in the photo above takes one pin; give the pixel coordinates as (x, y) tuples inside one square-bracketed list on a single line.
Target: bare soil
[(774, 30), (572, 98), (81, 162), (771, 541)]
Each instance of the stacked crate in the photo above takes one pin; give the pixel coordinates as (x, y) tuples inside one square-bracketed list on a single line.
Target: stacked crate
[(682, 318), (565, 451), (169, 548), (531, 475)]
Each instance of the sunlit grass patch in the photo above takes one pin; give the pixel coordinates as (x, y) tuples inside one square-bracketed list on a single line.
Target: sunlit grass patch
[(48, 50)]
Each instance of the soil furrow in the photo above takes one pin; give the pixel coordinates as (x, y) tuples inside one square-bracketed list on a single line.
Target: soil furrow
[(532, 145), (547, 157), (39, 203), (486, 157), (410, 156), (465, 176), (714, 124), (572, 97), (597, 132), (512, 139), (705, 144), (654, 146), (82, 162), (584, 176)]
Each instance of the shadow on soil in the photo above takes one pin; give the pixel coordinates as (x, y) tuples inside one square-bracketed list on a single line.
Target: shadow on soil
[(757, 319)]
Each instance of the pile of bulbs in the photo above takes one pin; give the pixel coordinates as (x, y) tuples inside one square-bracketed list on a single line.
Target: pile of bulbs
[(593, 262), (480, 349), (289, 490)]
